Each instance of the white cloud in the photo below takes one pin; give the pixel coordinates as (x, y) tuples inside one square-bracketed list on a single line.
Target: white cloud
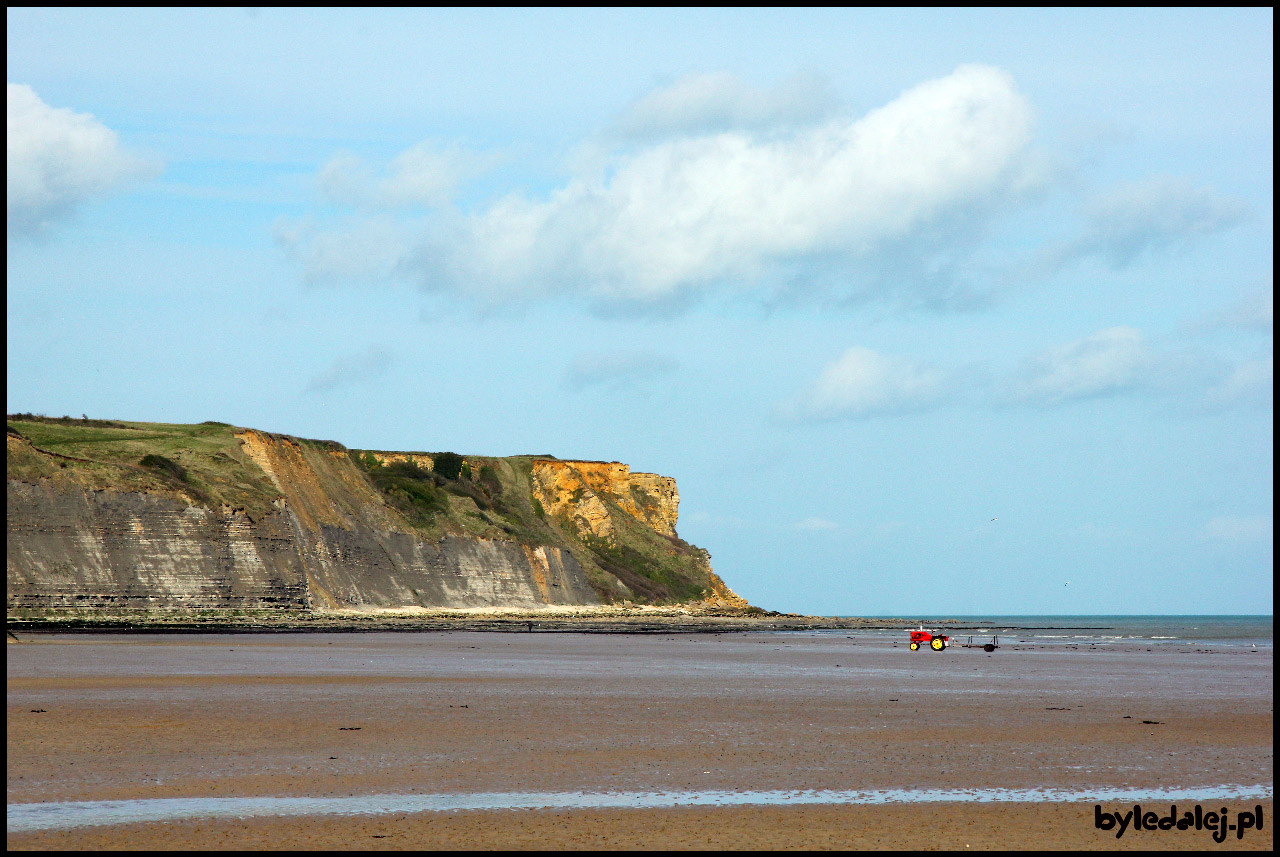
[(814, 525), (1238, 529), (863, 383), (1119, 360), (717, 102), (1151, 215), (729, 210), (374, 248), (58, 159), (1109, 361), (423, 175)]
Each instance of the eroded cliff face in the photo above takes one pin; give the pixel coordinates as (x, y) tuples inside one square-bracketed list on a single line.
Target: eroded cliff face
[(330, 542), (579, 489), (322, 487), (601, 499), (72, 547), (245, 518)]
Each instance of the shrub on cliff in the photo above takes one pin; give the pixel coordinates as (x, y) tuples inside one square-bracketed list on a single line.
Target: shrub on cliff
[(424, 499), (165, 465), (448, 464), (405, 470), (489, 481), (411, 489), (644, 575), (326, 445), (83, 422)]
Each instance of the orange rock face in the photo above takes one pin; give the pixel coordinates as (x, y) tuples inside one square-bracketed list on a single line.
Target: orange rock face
[(584, 490), (426, 462)]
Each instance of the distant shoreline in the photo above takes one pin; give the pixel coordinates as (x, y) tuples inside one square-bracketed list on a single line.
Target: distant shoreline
[(601, 620)]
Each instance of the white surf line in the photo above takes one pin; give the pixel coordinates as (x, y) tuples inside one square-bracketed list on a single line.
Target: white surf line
[(30, 817)]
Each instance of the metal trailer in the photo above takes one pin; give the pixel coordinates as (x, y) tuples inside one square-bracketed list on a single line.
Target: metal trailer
[(990, 646)]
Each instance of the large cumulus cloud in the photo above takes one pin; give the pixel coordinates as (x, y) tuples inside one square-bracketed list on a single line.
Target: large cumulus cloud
[(58, 158), (730, 209)]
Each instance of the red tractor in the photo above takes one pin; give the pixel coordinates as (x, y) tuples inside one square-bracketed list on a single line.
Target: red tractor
[(935, 641)]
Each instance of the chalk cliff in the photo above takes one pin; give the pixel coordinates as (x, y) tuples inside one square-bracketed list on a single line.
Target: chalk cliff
[(149, 515)]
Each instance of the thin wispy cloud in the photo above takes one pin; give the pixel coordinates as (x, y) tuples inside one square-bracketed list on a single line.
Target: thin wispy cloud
[(1250, 382), (1239, 529), (59, 159), (359, 250), (1104, 363), (701, 104), (425, 175), (617, 369), (865, 383), (352, 370), (1114, 362), (1121, 361), (1252, 312), (1135, 219)]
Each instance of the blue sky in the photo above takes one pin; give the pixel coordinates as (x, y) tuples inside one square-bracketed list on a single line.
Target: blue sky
[(927, 311)]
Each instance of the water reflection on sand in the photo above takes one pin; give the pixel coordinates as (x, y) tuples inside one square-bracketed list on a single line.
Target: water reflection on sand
[(26, 818)]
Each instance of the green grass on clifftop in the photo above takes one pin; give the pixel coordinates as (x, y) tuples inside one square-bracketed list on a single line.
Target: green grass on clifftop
[(473, 496), (203, 462)]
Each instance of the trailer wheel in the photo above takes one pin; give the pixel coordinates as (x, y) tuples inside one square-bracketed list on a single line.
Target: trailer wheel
[(914, 645), (938, 644), (989, 648)]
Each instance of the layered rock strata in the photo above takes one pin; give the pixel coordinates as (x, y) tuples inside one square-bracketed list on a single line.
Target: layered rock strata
[(330, 543), (307, 529)]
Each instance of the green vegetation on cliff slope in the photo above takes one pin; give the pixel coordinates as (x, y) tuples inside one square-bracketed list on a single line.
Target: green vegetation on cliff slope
[(469, 496), (126, 456)]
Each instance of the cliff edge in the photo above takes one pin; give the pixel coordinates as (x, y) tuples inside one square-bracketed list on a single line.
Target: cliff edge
[(104, 514)]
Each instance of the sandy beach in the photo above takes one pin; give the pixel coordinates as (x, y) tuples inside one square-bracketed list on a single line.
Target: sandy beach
[(121, 717)]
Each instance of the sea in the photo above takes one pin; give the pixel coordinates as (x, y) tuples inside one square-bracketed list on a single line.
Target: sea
[(1212, 630)]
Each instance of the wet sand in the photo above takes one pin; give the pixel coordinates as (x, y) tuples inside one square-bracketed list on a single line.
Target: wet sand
[(143, 716)]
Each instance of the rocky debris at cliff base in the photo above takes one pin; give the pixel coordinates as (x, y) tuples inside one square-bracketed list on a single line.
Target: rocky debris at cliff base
[(593, 619)]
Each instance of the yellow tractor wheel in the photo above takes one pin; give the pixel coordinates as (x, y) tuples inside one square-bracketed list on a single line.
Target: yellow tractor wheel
[(938, 644), (914, 645)]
